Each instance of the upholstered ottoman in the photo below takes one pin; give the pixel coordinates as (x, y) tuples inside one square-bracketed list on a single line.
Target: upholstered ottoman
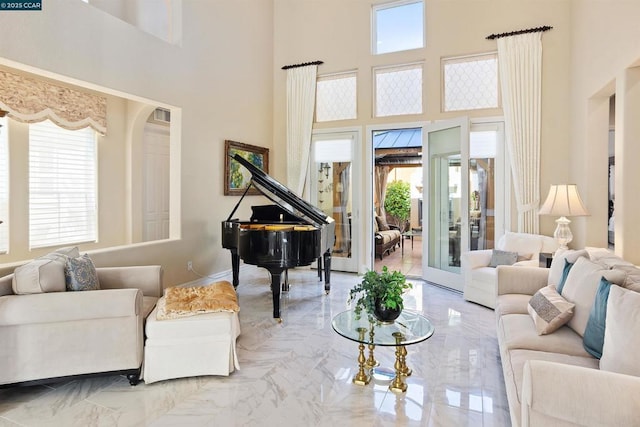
[(197, 338)]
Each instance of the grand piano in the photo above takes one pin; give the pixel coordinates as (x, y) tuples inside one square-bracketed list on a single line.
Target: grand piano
[(292, 233)]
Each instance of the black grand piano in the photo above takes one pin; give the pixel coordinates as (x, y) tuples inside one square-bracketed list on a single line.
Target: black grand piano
[(290, 234)]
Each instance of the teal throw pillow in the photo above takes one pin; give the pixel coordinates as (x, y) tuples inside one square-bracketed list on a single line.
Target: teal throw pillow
[(565, 274), (593, 339), (80, 274)]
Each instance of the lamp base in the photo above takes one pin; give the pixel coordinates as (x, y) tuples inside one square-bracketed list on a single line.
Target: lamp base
[(563, 233)]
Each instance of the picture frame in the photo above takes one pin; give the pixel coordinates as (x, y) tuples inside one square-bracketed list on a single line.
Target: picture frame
[(237, 177)]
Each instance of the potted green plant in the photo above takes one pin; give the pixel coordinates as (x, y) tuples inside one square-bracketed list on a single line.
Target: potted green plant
[(380, 294), (397, 203)]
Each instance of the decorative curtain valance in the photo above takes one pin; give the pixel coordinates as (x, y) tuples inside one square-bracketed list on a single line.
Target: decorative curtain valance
[(31, 100)]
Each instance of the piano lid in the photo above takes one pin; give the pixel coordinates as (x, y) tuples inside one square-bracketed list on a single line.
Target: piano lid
[(282, 196)]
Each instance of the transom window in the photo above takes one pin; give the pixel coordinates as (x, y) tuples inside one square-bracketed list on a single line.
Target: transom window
[(398, 90), (336, 97), (398, 26), (470, 82)]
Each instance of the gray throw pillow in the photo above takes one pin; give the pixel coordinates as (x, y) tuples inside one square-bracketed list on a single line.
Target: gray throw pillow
[(80, 274), (499, 257)]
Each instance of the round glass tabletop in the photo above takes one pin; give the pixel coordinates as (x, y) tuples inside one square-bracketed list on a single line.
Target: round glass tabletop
[(411, 326)]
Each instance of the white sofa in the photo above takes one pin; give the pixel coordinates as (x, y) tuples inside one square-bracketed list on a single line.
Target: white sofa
[(480, 280), (551, 380), (48, 335)]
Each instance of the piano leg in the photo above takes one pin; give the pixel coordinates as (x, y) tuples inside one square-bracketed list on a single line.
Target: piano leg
[(320, 269), (327, 271), (235, 266), (285, 284), (276, 273)]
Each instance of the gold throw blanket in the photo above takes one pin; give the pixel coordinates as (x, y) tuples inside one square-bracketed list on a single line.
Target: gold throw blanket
[(181, 302)]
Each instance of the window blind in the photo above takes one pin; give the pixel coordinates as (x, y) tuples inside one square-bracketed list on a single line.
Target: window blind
[(4, 186), (62, 185)]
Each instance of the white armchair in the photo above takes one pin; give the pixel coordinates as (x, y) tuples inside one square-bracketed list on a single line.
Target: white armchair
[(480, 280)]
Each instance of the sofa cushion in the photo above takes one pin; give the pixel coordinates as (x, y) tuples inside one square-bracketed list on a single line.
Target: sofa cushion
[(549, 310), (80, 274), (499, 257), (38, 276), (632, 279), (522, 243), (622, 332), (512, 304), (606, 257), (581, 286), (517, 331), (387, 236), (516, 359), (558, 264)]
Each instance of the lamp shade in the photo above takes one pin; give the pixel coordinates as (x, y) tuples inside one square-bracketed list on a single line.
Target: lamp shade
[(563, 200)]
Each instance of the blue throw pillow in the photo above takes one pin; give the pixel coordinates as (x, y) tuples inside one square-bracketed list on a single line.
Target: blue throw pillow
[(593, 339), (565, 274)]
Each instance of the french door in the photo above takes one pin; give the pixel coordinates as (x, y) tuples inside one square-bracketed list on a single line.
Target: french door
[(446, 177), (334, 180)]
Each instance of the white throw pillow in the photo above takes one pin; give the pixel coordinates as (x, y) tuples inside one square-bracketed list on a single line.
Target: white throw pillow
[(557, 264), (38, 276), (581, 286), (522, 243), (622, 332)]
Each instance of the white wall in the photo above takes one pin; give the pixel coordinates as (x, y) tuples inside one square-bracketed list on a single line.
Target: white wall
[(220, 80), (605, 54)]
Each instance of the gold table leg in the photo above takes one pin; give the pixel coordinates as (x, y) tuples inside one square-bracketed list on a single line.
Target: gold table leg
[(361, 378), (398, 385), (406, 371), (371, 361)]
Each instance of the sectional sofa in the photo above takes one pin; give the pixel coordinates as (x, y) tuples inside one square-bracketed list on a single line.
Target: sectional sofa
[(49, 332), (571, 357)]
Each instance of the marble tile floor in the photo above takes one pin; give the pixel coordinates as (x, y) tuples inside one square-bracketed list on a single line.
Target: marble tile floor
[(299, 372)]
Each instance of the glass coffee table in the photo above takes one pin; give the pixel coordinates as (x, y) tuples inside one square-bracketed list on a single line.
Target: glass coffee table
[(409, 328)]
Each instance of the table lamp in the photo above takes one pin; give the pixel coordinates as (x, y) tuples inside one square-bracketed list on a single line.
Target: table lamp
[(563, 201)]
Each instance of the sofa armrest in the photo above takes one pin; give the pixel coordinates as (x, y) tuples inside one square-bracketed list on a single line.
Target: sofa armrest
[(475, 259), (147, 278), (521, 280), (586, 397), (69, 306)]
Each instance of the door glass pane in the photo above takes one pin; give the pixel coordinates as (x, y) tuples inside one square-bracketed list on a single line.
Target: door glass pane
[(482, 185), (333, 189), (445, 191)]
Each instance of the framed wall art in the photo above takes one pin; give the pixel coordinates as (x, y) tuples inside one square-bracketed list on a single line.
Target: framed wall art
[(237, 177)]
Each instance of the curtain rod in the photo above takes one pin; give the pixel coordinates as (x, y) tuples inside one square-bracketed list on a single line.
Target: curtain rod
[(515, 33), (304, 64)]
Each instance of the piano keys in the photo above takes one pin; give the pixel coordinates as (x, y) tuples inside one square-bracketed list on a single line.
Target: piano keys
[(290, 234)]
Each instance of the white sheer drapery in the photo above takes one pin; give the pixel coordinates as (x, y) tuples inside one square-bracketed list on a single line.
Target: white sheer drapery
[(32, 100), (301, 100), (520, 64)]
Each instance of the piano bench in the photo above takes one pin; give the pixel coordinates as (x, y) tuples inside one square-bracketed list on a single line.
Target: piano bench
[(203, 344)]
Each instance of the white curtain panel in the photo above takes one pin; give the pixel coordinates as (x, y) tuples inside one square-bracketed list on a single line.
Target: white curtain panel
[(301, 100), (520, 64)]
